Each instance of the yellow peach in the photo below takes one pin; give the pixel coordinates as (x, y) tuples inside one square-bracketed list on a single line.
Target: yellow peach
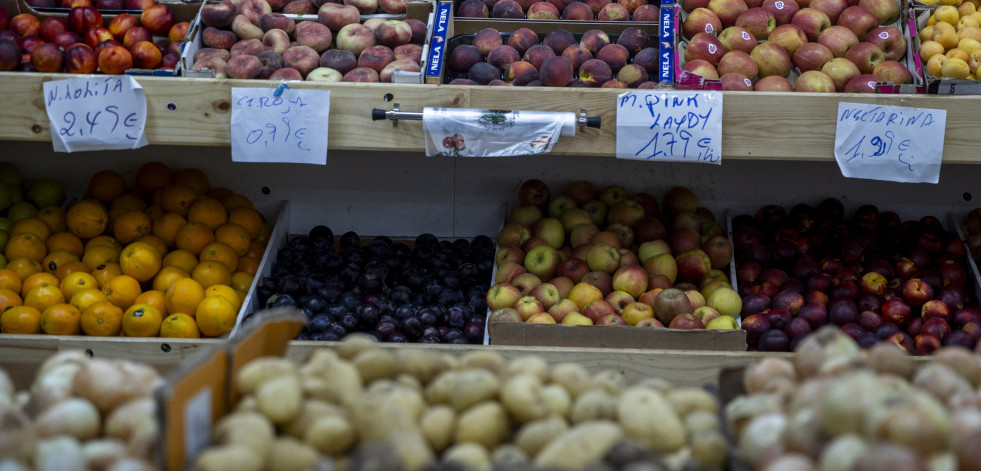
[(970, 32), (947, 14), (977, 17), (966, 8), (926, 34), (954, 68), (929, 49), (966, 21), (968, 45), (946, 38), (931, 21), (935, 65), (957, 53), (974, 61)]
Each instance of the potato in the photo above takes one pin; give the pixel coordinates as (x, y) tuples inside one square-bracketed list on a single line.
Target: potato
[(236, 456), (247, 404), (439, 389), (330, 434), (534, 436), (403, 396), (423, 364), (370, 456), (485, 359), (647, 418), (508, 456), (412, 449), (409, 381), (613, 381), (438, 426), (376, 417), (558, 399), (584, 444), (533, 364), (74, 417), (311, 410), (280, 399), (522, 397), (319, 360), (290, 454), (339, 382), (375, 363), (660, 385), (101, 452), (354, 344), (708, 448), (700, 421), (261, 370), (485, 423), (251, 429), (687, 400), (473, 386), (573, 377), (595, 404), (471, 455)]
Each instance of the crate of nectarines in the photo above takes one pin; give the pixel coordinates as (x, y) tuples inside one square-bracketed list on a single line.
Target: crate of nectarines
[(166, 254), (948, 44)]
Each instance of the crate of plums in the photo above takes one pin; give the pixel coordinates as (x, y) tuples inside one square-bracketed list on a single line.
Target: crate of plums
[(396, 289)]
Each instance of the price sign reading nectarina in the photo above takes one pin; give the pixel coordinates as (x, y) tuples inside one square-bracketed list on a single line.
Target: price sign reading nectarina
[(673, 126), (286, 125), (890, 143), (96, 113)]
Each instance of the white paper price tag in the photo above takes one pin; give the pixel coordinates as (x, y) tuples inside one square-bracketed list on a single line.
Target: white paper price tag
[(96, 113), (289, 128), (677, 126), (891, 143)]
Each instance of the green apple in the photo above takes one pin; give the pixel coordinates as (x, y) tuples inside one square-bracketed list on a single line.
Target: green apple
[(502, 295), (726, 301), (723, 323), (542, 261), (612, 195), (597, 211), (551, 230), (46, 192), (662, 264), (559, 204), (602, 257), (651, 248), (20, 210), (574, 318), (525, 215), (10, 174)]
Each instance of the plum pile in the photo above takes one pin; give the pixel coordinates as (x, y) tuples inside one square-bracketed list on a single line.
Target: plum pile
[(432, 292)]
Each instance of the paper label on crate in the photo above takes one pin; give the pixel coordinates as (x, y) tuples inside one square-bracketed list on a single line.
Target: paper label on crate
[(197, 424), (288, 128), (890, 143), (672, 126), (454, 132), (96, 113)]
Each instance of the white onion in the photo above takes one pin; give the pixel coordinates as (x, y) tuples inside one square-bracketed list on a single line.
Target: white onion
[(842, 452), (761, 374), (803, 433), (887, 357), (17, 434), (964, 423), (53, 386), (962, 361), (844, 405), (74, 417), (946, 461), (918, 422), (761, 440), (101, 453), (889, 457), (941, 381), (791, 462), (741, 410), (58, 454), (109, 383), (68, 357), (827, 351), (135, 423)]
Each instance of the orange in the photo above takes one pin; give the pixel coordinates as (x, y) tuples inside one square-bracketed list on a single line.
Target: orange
[(168, 276), (38, 279), (87, 219), (100, 255), (215, 316), (71, 267), (106, 186), (256, 250), (181, 259), (154, 298), (24, 267), (265, 232), (167, 226), (9, 279), (192, 178), (42, 296), (103, 319), (179, 325), (54, 217), (122, 290), (234, 236), (193, 236), (153, 176), (31, 225), (65, 241), (248, 218), (241, 281), (27, 246), (184, 296), (140, 261), (226, 291), (54, 260), (127, 201), (9, 298), (20, 320), (131, 225), (87, 297), (61, 319), (219, 193), (78, 281), (207, 211), (241, 295), (142, 320), (248, 265), (236, 201), (154, 242), (220, 252), (154, 212), (104, 241), (105, 272), (177, 199), (212, 273)]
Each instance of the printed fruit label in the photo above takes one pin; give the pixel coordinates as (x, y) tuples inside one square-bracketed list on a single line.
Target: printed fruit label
[(745, 35), (712, 48)]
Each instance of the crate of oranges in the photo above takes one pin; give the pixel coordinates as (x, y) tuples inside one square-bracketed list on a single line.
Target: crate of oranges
[(169, 256)]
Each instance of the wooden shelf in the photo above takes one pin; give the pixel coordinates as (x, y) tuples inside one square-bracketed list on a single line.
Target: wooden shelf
[(756, 126)]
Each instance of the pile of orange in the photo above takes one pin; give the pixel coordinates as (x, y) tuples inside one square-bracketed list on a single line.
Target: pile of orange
[(169, 257)]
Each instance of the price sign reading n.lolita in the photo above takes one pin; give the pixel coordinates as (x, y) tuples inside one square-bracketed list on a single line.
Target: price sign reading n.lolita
[(890, 143), (96, 113), (675, 126), (285, 125)]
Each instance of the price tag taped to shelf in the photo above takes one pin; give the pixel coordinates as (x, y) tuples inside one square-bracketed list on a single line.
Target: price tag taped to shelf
[(96, 113), (673, 126), (290, 127), (890, 143)]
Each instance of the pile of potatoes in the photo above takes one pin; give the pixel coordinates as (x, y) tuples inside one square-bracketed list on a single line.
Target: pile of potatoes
[(362, 407)]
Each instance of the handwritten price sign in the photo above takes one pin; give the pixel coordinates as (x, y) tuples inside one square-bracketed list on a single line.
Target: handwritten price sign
[(289, 128), (678, 126), (97, 113), (891, 143)]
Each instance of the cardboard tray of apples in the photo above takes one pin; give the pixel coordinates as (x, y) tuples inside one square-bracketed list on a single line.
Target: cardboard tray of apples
[(845, 43), (918, 20), (567, 10)]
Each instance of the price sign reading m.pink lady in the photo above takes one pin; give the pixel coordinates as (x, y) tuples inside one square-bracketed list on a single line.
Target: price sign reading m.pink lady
[(96, 113), (673, 126), (890, 143)]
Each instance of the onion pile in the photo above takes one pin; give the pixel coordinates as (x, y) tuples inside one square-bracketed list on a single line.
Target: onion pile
[(80, 413), (836, 408)]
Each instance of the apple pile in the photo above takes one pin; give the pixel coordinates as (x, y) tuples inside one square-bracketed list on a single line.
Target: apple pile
[(596, 59), (834, 407), (830, 45), (102, 5), (555, 265), (951, 42), (876, 277), (580, 10), (83, 43), (251, 39)]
